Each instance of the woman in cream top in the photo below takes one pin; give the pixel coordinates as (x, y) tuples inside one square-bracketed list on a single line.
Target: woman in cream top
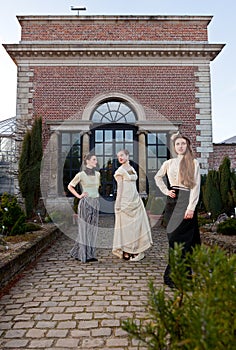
[(180, 215), (171, 167), (89, 183)]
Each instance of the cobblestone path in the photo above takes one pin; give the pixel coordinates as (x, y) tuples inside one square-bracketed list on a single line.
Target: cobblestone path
[(60, 303)]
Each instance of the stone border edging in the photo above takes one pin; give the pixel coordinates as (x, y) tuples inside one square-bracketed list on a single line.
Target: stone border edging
[(9, 269)]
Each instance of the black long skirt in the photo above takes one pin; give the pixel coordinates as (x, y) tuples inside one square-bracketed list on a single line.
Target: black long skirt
[(180, 230)]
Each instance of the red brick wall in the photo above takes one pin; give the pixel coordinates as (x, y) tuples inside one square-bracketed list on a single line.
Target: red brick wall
[(63, 92), (89, 29), (220, 151)]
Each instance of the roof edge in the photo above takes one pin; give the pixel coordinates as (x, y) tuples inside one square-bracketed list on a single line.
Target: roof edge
[(206, 18)]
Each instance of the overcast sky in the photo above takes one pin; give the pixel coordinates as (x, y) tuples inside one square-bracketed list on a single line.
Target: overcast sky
[(220, 30)]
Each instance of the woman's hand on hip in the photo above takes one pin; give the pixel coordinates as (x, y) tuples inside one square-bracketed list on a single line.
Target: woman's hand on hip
[(84, 194), (171, 193)]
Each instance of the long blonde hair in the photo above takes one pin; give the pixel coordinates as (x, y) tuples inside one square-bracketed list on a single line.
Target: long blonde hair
[(187, 166)]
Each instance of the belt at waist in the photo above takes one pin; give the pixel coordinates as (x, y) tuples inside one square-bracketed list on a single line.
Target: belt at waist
[(180, 188)]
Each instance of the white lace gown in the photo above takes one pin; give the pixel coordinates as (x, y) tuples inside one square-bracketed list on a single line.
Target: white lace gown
[(132, 232)]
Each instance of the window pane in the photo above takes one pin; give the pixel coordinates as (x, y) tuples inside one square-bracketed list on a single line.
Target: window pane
[(162, 151), (129, 135), (119, 135), (97, 117), (152, 151), (108, 149), (113, 106), (75, 138), (113, 111), (160, 162), (129, 147), (102, 108), (124, 109), (65, 150), (100, 162), (119, 147), (162, 139), (99, 149), (120, 118), (98, 135), (151, 139), (108, 135), (152, 163), (113, 115), (65, 138)]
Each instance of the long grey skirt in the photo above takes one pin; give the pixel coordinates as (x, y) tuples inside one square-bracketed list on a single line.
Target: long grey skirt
[(88, 214)]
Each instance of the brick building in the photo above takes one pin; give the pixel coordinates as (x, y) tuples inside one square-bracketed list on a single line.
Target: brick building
[(107, 82), (221, 150)]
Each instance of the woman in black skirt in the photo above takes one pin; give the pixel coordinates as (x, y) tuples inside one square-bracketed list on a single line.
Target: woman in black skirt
[(88, 210), (180, 216)]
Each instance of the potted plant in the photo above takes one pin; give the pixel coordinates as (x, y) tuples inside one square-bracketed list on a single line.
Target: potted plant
[(156, 210)]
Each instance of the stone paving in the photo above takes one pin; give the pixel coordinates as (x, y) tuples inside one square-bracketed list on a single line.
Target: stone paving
[(60, 303)]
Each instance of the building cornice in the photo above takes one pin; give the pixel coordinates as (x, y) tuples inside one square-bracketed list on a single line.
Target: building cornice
[(116, 50), (172, 18)]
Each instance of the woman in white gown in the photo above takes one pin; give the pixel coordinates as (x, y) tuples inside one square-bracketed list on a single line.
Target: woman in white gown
[(132, 234)]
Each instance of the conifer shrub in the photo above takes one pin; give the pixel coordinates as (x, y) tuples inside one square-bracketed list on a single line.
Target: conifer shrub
[(29, 167), (227, 186), (203, 221), (199, 313), (219, 190), (227, 227), (211, 194)]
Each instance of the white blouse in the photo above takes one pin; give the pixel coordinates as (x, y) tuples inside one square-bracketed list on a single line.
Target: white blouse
[(171, 169)]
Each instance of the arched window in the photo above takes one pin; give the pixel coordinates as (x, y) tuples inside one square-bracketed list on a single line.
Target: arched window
[(113, 112)]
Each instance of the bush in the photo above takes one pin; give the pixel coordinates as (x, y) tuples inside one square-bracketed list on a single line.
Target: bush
[(11, 215), (227, 227), (18, 228), (200, 313), (30, 227)]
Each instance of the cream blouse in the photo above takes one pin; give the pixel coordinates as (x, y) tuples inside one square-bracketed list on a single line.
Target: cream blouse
[(89, 183), (171, 169)]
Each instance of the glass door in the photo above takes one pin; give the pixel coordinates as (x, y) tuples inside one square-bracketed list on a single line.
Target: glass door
[(106, 142)]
